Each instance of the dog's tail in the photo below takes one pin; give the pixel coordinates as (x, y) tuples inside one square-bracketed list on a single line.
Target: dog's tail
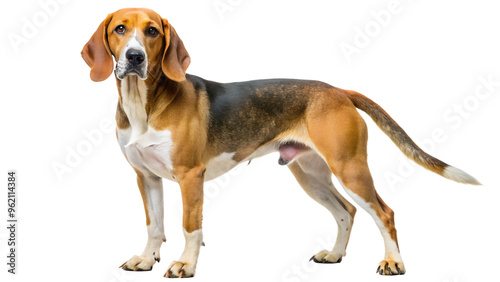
[(404, 142)]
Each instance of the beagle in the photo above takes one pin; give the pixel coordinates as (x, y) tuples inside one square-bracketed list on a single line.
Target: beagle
[(189, 130)]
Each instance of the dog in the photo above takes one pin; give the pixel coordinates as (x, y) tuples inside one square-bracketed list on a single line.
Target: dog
[(189, 130)]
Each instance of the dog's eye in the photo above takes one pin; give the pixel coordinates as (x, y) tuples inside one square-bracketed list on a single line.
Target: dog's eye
[(120, 29), (152, 31)]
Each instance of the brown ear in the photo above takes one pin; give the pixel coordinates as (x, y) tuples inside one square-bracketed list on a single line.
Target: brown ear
[(176, 59), (96, 53)]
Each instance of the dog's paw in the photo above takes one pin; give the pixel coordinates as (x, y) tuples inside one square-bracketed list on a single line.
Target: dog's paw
[(180, 269), (327, 257), (141, 263), (391, 267)]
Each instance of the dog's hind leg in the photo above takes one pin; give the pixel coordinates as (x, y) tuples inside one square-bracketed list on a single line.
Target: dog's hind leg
[(357, 181), (341, 137), (315, 177)]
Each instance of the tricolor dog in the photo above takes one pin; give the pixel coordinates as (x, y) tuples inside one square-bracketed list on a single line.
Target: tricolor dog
[(189, 130)]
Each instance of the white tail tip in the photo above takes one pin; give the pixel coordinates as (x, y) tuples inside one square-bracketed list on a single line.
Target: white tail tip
[(459, 175)]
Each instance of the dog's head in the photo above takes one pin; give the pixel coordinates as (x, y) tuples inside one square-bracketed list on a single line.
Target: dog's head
[(140, 41)]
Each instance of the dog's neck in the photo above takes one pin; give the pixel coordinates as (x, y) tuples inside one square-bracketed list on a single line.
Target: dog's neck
[(141, 99), (134, 98)]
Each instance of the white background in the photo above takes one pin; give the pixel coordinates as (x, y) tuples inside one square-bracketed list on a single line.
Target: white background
[(259, 225)]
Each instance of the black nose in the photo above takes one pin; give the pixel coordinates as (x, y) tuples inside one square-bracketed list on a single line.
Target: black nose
[(135, 57)]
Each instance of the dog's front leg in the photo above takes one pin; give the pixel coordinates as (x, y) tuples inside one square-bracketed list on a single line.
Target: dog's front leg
[(151, 188), (191, 183)]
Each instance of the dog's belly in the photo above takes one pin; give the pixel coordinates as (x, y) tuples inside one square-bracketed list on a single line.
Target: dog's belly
[(219, 165), (150, 152)]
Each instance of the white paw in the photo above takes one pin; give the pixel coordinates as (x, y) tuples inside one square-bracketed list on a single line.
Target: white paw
[(391, 267), (180, 270), (141, 263), (327, 257)]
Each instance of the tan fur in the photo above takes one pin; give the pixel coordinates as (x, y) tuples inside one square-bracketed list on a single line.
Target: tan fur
[(140, 183)]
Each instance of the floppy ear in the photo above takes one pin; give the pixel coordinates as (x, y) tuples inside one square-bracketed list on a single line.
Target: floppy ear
[(176, 59), (96, 53)]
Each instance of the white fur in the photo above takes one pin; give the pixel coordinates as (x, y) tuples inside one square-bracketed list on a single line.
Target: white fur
[(153, 190), (189, 258), (320, 188), (391, 248), (121, 64), (156, 234), (152, 151), (133, 43), (219, 165), (123, 136), (134, 97), (459, 175), (194, 240)]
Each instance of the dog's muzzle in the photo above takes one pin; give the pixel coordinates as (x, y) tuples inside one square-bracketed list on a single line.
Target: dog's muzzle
[(134, 63)]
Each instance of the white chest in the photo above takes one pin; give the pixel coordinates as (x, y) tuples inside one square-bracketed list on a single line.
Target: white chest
[(149, 152)]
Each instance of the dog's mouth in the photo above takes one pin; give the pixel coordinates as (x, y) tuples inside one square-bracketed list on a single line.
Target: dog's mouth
[(124, 69)]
